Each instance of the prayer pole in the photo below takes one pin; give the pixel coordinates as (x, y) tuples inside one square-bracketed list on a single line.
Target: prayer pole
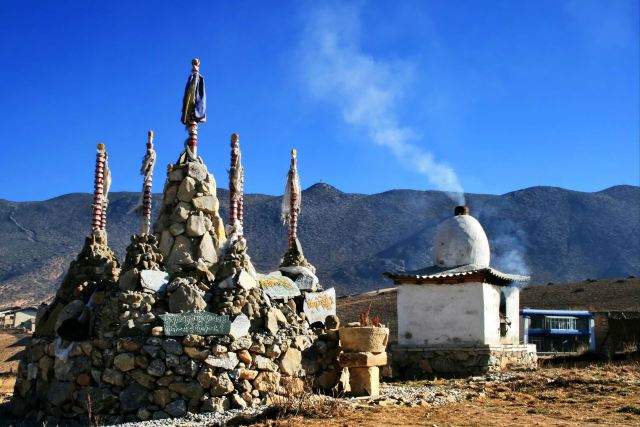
[(193, 108), (236, 184), (105, 191), (294, 203), (148, 163), (98, 186)]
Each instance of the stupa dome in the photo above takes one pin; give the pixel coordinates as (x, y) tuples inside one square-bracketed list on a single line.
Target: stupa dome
[(461, 240)]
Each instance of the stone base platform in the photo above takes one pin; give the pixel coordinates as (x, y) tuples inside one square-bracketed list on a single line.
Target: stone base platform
[(426, 362)]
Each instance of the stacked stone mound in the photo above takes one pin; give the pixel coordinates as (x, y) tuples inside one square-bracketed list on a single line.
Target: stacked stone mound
[(294, 257), (90, 276), (189, 226), (127, 368), (137, 300)]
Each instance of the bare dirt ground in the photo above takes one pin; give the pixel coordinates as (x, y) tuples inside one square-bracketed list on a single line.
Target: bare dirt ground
[(11, 345), (572, 394), (577, 394)]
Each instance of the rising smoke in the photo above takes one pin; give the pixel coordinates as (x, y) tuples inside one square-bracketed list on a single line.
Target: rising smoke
[(367, 90)]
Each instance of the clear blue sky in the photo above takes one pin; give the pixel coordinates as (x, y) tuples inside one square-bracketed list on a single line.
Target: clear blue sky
[(492, 95)]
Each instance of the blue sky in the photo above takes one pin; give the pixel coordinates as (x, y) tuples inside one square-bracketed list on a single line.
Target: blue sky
[(483, 97)]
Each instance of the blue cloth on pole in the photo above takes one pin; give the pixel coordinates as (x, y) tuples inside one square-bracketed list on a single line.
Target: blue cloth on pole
[(194, 103)]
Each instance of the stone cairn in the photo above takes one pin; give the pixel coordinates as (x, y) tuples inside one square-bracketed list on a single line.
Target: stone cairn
[(189, 325)]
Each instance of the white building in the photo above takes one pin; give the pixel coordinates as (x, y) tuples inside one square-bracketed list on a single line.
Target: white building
[(459, 316)]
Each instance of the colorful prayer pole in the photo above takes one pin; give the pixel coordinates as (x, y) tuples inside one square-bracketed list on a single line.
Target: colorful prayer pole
[(148, 163), (194, 106), (98, 186), (106, 183)]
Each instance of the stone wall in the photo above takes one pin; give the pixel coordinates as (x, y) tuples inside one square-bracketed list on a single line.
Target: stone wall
[(426, 362), (160, 377)]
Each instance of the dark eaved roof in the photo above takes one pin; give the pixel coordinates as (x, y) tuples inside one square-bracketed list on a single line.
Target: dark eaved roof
[(452, 274), (592, 295)]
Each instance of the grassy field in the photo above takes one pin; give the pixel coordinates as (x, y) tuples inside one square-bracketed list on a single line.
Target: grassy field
[(572, 394)]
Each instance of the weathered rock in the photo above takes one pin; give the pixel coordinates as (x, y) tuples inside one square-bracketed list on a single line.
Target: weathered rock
[(265, 364), (166, 243), (60, 392), (247, 374), (227, 361), (238, 401), (207, 204), (124, 362), (215, 404), (144, 379), (128, 280), (177, 228), (185, 299), (177, 408), (221, 385), (182, 253), (362, 359), (267, 382), (102, 401), (195, 353), (205, 376), (240, 326), (154, 280), (191, 390), (197, 171), (113, 377), (172, 346), (133, 397), (143, 414), (245, 357), (207, 250), (187, 189), (245, 281), (177, 174), (196, 225), (162, 397), (156, 368), (291, 362)]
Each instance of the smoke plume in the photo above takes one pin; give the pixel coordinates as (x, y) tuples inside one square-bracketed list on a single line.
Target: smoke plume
[(367, 90)]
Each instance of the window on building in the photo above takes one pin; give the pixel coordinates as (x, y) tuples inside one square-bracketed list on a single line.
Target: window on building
[(560, 322)]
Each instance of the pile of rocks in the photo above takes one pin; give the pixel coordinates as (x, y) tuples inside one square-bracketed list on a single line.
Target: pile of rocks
[(190, 228), (90, 276), (189, 325), (158, 377), (295, 257)]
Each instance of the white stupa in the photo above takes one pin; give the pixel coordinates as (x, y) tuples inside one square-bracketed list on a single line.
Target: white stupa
[(460, 303)]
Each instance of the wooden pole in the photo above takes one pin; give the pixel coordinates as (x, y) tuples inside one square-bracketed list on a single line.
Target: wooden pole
[(98, 189)]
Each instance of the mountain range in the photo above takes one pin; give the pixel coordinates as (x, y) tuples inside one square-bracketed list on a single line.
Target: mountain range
[(552, 234)]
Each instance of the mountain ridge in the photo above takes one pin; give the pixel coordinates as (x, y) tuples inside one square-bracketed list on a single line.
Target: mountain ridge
[(550, 232)]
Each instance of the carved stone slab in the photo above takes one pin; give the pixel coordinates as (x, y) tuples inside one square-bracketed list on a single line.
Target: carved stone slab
[(200, 323), (154, 280), (319, 305), (277, 286)]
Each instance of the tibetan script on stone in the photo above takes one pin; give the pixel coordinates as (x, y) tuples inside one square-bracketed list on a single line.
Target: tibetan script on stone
[(200, 323), (319, 305), (278, 286)]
